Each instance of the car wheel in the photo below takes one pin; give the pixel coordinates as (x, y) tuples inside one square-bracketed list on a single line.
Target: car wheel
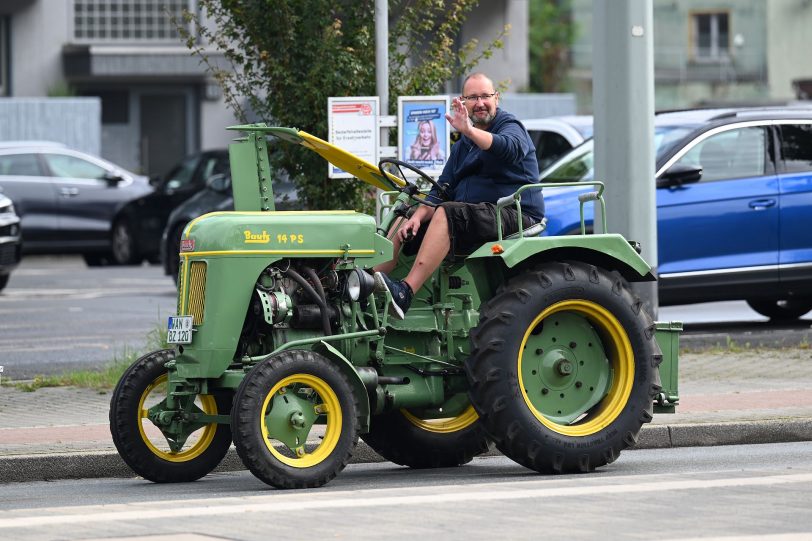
[(125, 251), (781, 309), (4, 280)]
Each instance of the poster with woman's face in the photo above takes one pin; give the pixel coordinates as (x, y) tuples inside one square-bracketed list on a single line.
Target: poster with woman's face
[(424, 137)]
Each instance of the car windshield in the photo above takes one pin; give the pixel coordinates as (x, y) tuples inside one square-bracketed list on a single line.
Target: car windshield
[(578, 165)]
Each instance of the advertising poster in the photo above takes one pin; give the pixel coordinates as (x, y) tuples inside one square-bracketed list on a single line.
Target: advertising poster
[(353, 126), (423, 132)]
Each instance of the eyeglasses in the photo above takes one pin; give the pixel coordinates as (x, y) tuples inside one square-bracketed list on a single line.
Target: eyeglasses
[(483, 97)]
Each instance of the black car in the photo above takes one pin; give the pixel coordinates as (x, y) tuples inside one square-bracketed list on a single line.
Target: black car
[(137, 233), (68, 201), (9, 239), (216, 196)]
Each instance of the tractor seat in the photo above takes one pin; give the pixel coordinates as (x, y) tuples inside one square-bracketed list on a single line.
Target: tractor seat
[(533, 231)]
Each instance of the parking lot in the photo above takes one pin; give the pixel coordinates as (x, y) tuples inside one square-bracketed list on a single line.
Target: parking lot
[(58, 314)]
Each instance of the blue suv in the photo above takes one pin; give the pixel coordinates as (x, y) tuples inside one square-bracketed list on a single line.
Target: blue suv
[(734, 206)]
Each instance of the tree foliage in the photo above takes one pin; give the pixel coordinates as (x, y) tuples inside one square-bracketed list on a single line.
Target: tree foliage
[(284, 58), (552, 33)]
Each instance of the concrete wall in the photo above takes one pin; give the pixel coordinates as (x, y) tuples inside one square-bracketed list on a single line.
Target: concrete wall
[(38, 32), (76, 122), (509, 65), (789, 50)]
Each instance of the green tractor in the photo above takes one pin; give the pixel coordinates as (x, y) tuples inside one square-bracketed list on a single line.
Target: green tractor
[(282, 345)]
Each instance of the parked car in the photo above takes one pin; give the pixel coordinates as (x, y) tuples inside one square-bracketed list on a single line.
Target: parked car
[(10, 247), (136, 234), (215, 197), (68, 201), (555, 136), (734, 206)]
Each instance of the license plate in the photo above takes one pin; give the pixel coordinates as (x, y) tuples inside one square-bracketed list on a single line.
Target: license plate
[(179, 330)]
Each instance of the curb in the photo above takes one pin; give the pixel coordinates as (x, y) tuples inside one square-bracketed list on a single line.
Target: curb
[(88, 465)]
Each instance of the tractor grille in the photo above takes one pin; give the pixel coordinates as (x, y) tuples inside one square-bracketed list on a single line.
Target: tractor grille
[(197, 290)]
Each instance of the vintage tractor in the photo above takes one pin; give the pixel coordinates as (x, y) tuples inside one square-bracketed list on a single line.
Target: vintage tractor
[(282, 346)]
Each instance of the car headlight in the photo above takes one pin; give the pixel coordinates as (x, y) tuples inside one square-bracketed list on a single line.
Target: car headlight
[(7, 209)]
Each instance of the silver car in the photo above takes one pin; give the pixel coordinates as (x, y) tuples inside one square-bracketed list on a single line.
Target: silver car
[(9, 239), (68, 201)]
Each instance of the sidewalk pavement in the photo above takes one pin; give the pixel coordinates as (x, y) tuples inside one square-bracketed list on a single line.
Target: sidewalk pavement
[(726, 397)]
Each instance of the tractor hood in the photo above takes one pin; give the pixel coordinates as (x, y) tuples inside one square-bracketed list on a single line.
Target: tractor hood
[(347, 161), (336, 233)]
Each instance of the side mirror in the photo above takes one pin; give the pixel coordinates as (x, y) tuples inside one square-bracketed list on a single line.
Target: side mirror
[(219, 183), (113, 177), (679, 174)]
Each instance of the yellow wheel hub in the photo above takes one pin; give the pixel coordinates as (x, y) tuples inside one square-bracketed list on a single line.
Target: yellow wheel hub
[(617, 367), (154, 439), (324, 402)]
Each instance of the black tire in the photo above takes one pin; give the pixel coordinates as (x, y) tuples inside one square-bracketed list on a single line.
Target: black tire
[(781, 310), (133, 435), (96, 259), (404, 438), (563, 368), (286, 385), (172, 251), (123, 246), (4, 280)]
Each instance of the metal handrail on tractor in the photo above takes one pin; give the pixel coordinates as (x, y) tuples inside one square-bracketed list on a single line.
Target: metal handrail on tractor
[(516, 199)]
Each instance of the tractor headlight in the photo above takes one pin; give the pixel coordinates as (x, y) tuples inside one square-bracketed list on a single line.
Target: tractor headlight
[(359, 284)]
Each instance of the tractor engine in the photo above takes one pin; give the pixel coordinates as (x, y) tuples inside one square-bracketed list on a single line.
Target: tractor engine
[(296, 299)]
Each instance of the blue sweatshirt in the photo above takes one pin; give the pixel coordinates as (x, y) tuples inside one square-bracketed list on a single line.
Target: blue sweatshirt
[(473, 175)]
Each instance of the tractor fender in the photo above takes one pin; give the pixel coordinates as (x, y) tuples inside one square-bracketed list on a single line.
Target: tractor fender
[(355, 381), (495, 262)]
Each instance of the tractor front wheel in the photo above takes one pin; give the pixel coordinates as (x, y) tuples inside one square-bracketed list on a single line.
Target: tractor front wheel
[(276, 411), (563, 368), (152, 453)]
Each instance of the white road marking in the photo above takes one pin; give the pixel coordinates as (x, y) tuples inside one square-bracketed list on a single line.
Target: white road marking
[(299, 502)]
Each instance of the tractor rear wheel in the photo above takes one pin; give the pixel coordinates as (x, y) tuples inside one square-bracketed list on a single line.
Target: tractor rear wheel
[(274, 418), (412, 438), (142, 444), (563, 368)]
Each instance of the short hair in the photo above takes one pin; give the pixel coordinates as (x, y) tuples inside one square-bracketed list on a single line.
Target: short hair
[(478, 75)]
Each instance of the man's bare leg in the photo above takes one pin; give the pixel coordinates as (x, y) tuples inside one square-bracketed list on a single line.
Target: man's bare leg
[(434, 248)]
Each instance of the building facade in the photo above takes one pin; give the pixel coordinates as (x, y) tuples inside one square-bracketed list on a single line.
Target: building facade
[(158, 103), (711, 52)]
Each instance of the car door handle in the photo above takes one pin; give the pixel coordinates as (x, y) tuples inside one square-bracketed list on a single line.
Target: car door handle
[(761, 204), (69, 192)]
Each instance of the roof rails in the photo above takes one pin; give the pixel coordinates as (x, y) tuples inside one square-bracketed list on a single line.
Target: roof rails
[(754, 111)]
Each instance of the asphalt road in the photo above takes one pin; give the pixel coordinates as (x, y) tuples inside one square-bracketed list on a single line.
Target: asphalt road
[(685, 493), (57, 314)]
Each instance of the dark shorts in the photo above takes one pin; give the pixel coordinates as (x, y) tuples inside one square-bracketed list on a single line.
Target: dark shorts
[(470, 225)]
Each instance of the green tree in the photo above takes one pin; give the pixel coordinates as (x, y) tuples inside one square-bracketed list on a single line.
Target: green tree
[(552, 33), (286, 57)]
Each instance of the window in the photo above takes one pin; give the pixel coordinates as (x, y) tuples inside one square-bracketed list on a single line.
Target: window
[(737, 153), (71, 167), (796, 147), (711, 33), (182, 174), (127, 20), (23, 165)]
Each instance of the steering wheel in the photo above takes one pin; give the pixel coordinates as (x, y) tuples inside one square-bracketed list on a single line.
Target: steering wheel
[(411, 186)]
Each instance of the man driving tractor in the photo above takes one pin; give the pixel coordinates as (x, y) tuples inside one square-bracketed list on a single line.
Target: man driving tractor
[(493, 158)]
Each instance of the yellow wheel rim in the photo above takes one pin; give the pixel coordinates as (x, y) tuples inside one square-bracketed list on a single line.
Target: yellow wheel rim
[(446, 425), (619, 353), (150, 434), (329, 406)]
